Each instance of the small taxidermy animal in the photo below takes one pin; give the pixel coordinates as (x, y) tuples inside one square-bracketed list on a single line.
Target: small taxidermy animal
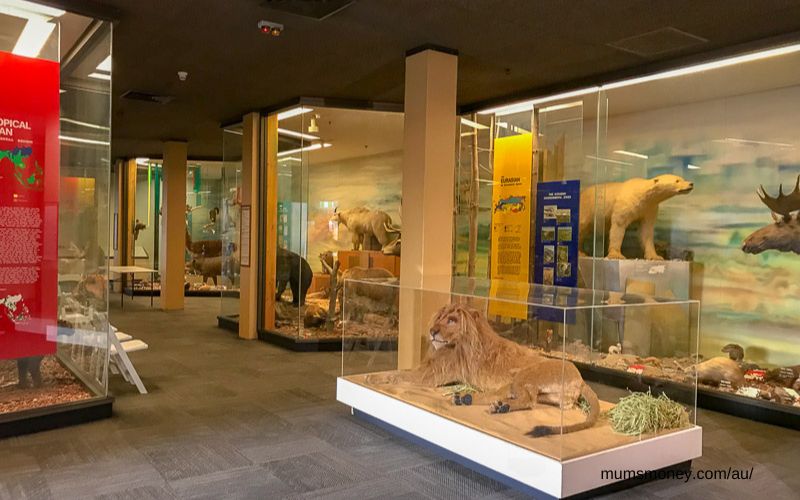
[(465, 349)]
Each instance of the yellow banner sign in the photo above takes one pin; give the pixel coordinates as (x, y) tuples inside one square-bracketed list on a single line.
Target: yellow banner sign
[(511, 220)]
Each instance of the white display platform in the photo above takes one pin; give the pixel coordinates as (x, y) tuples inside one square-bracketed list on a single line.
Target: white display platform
[(552, 477)]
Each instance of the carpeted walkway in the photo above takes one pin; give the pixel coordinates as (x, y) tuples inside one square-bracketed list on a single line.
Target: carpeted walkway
[(227, 418)]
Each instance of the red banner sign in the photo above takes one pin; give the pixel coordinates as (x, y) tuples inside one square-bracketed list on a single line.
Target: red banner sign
[(29, 164)]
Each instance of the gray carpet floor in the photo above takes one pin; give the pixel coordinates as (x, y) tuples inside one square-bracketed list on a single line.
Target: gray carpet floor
[(227, 418)]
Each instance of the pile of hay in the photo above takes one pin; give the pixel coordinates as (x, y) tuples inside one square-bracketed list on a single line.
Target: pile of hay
[(642, 413)]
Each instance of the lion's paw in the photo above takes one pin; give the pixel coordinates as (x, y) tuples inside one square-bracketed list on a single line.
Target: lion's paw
[(381, 379), (654, 256), (499, 407), (615, 255)]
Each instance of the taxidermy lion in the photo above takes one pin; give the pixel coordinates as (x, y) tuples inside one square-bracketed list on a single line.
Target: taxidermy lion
[(627, 202), (465, 349)]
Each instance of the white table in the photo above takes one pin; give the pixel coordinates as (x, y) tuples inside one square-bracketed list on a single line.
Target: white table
[(133, 270)]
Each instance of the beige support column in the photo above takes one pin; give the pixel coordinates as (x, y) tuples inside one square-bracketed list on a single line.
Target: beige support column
[(173, 225), (428, 179), (248, 277)]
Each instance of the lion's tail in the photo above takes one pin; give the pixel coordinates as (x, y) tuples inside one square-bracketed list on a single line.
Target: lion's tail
[(594, 412)]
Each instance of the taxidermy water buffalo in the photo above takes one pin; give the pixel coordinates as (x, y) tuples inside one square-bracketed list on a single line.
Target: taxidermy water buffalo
[(784, 234), (292, 270), (203, 248), (364, 224)]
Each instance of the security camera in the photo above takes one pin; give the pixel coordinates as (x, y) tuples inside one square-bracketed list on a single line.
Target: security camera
[(270, 28)]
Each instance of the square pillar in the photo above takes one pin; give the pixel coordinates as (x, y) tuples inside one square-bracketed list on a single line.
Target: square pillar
[(429, 149), (172, 250)]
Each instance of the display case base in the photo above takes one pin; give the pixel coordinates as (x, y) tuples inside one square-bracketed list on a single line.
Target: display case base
[(186, 293), (54, 417), (229, 322), (517, 466), (325, 344), (738, 406)]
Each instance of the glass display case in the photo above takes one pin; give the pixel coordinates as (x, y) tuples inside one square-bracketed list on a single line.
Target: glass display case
[(338, 215), (487, 371), (729, 137), (54, 199), (208, 226), (687, 191), (205, 238)]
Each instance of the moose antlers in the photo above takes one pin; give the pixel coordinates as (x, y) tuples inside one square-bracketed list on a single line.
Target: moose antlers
[(783, 204)]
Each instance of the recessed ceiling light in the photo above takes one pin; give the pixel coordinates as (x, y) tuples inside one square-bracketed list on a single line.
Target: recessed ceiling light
[(84, 124), (631, 153), (83, 141), (29, 10), (34, 36), (475, 125), (105, 65), (299, 135), (312, 147), (293, 112), (100, 76)]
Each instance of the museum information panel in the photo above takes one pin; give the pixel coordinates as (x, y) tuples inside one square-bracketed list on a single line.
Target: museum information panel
[(557, 217), (29, 156), (511, 219)]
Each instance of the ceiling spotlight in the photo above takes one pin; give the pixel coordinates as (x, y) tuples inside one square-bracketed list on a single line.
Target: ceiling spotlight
[(183, 75), (270, 28)]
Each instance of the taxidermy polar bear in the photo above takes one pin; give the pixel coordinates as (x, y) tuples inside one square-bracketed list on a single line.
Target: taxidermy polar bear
[(627, 202)]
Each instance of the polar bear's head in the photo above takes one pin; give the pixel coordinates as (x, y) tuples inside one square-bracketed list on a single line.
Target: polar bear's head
[(667, 186)]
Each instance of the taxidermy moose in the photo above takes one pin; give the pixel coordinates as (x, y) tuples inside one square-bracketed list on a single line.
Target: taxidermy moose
[(784, 234)]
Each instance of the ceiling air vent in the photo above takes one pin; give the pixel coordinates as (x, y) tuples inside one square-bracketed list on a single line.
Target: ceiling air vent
[(135, 95), (660, 41), (314, 9)]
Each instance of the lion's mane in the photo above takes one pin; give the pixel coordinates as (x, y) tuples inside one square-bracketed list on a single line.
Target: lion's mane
[(480, 357)]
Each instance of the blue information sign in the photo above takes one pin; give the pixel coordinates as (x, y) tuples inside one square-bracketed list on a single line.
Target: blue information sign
[(557, 220)]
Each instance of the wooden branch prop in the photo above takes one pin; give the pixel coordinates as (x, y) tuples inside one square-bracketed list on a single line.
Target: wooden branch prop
[(332, 293)]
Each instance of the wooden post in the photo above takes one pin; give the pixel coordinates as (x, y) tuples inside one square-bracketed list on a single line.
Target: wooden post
[(334, 293), (248, 274), (271, 221), (126, 211), (474, 202)]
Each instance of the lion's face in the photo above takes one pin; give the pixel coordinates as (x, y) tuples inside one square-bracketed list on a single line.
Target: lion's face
[(451, 326)]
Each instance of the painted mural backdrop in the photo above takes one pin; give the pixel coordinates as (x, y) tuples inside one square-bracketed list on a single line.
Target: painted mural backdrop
[(374, 182), (727, 147)]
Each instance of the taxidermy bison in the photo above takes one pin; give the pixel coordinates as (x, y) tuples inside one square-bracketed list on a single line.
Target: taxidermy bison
[(292, 270)]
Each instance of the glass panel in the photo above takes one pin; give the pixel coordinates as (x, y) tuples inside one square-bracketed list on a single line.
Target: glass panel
[(230, 219), (55, 200), (204, 236)]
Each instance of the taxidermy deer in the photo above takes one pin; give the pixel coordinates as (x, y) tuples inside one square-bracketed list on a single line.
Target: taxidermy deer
[(784, 234)]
